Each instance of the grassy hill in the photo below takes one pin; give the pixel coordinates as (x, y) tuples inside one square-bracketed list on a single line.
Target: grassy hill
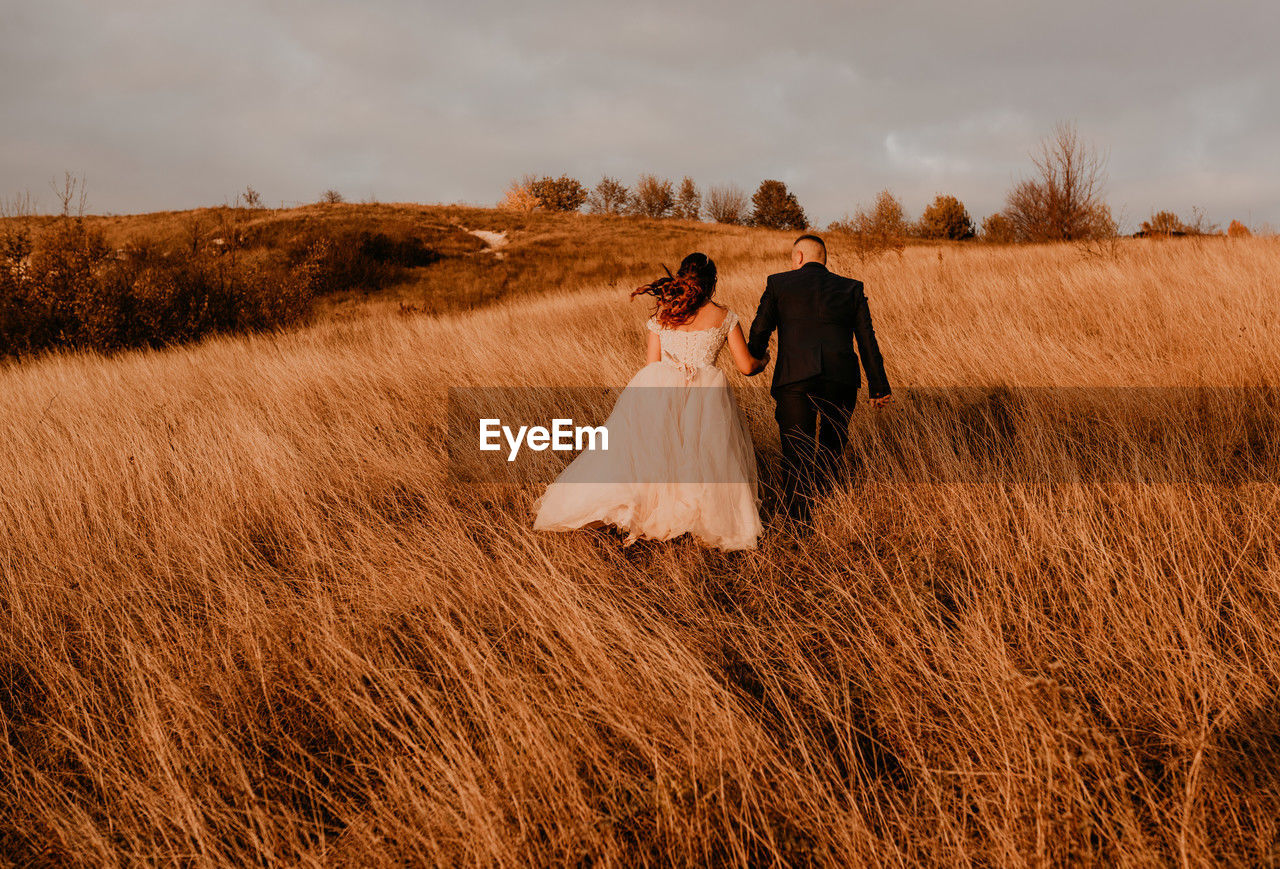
[(248, 617), (539, 250)]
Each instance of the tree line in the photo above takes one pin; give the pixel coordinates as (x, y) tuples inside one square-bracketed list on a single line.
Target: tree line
[(773, 205), (1062, 199)]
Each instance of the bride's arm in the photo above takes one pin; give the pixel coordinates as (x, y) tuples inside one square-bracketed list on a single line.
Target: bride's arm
[(742, 358), (653, 352)]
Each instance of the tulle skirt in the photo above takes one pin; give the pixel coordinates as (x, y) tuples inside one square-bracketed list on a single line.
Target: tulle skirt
[(680, 461)]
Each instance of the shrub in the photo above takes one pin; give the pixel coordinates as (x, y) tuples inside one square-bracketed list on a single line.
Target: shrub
[(999, 229), (688, 201), (1164, 223), (57, 282), (251, 198), (359, 260), (1238, 230), (876, 230), (70, 291), (946, 217), (609, 197), (727, 204), (520, 197), (775, 207), (559, 194), (653, 197), (1201, 225)]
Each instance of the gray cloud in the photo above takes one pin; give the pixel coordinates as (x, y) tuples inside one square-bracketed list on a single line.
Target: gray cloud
[(168, 105)]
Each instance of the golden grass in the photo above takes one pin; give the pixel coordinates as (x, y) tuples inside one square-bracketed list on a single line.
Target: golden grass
[(247, 620)]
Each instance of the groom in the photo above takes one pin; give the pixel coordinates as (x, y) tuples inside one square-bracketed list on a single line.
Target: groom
[(818, 316)]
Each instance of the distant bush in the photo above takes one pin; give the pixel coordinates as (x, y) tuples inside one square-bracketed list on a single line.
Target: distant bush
[(609, 197), (360, 259), (71, 291), (1164, 223), (1238, 230), (688, 201), (945, 217), (999, 229), (775, 207), (1201, 225), (520, 196), (877, 230), (727, 204), (332, 197), (251, 198), (559, 194), (653, 197)]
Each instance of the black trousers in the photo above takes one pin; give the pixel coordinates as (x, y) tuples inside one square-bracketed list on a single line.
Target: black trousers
[(813, 423)]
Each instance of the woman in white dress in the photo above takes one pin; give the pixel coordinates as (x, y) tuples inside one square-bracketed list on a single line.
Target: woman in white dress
[(680, 460)]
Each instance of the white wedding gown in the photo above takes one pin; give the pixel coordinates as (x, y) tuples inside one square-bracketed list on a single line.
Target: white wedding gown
[(679, 461)]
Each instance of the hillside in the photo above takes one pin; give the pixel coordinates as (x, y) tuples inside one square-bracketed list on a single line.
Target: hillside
[(248, 617), (460, 269)]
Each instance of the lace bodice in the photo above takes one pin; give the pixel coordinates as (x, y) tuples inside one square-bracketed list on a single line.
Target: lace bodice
[(691, 350)]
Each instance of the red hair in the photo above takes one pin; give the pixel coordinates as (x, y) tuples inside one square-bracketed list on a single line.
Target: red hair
[(680, 296)]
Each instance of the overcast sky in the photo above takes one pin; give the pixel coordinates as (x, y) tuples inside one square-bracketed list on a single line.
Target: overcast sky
[(172, 103)]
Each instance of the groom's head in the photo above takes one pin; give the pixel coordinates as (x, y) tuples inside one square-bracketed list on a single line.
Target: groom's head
[(808, 249)]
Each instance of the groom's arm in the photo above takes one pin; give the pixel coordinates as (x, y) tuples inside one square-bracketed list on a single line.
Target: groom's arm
[(763, 325), (868, 348)]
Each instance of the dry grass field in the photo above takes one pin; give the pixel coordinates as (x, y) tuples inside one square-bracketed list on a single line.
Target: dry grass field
[(247, 619)]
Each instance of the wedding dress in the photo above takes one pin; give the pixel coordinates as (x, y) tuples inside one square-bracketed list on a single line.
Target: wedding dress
[(679, 461)]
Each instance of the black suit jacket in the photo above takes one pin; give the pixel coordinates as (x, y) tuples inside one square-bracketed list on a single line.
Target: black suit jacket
[(818, 315)]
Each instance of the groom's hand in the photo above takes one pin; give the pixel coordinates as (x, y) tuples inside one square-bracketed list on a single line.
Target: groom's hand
[(882, 401)]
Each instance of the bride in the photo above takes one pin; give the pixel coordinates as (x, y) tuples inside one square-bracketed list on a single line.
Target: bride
[(680, 459)]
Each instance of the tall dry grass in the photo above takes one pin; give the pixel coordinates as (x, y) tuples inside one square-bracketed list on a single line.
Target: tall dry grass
[(247, 619)]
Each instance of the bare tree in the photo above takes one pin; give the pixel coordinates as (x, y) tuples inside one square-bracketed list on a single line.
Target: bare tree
[(1064, 201), (1201, 225), (193, 231), (18, 206), (72, 190), (726, 204), (608, 197), (332, 197), (252, 198)]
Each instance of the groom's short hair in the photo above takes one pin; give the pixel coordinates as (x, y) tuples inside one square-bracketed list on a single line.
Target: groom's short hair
[(815, 250)]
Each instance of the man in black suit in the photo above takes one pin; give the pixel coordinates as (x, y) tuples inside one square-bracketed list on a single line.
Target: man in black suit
[(818, 316)]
